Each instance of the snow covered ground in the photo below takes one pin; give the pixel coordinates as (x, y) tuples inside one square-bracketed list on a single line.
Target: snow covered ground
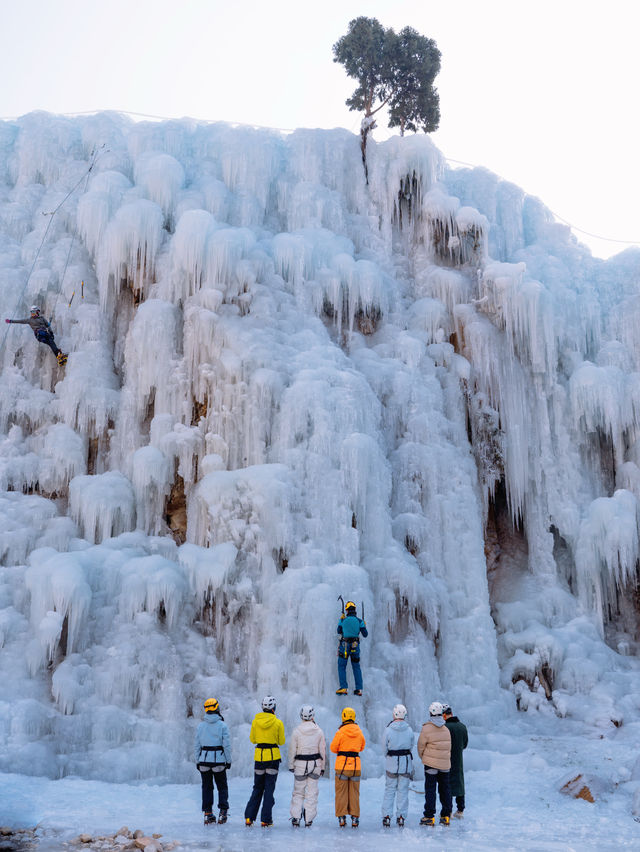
[(513, 777)]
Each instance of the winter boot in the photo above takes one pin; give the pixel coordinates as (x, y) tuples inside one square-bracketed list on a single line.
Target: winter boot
[(222, 816), (357, 692), (62, 358), (342, 821), (342, 691), (428, 821), (266, 824), (400, 822), (309, 823), (459, 814), (355, 822), (386, 822), (248, 821), (209, 818), (445, 820), (295, 822)]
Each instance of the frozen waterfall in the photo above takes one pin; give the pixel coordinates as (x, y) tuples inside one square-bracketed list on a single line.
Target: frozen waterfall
[(285, 385)]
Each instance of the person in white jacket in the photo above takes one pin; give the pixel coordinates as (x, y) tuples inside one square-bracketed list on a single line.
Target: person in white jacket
[(398, 747), (307, 753)]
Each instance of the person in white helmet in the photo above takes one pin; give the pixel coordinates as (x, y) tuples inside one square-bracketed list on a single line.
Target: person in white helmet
[(41, 327), (267, 733), (434, 750), (307, 754), (398, 744)]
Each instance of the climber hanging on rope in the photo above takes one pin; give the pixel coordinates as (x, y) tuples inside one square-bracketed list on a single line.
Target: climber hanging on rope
[(349, 629), (42, 330)]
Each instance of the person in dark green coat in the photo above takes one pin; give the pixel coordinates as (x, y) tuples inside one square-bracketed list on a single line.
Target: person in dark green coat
[(459, 741)]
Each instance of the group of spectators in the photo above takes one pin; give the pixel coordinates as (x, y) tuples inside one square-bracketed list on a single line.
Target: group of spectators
[(440, 744)]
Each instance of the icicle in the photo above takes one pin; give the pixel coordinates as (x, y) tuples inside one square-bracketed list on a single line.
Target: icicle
[(128, 250), (103, 505), (161, 177)]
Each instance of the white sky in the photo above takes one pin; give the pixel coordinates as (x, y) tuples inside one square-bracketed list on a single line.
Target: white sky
[(542, 93)]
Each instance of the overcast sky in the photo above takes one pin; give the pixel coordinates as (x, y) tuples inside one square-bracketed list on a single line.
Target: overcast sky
[(542, 93)]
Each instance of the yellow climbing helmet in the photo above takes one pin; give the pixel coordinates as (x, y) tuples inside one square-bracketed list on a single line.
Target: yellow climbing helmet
[(350, 605), (211, 705), (348, 714)]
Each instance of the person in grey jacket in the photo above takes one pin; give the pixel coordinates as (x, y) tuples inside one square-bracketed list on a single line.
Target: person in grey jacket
[(212, 755), (42, 330), (398, 744)]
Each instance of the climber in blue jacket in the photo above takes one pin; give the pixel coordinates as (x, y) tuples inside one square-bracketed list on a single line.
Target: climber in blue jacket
[(349, 629), (212, 756)]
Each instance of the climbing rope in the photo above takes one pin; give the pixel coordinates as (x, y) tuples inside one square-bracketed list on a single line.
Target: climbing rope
[(85, 177), (94, 158), (556, 216)]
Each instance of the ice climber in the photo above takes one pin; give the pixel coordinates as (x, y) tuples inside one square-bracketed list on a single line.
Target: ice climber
[(434, 749), (212, 754), (267, 733), (307, 752), (347, 743), (42, 330), (350, 628), (398, 743), (459, 741)]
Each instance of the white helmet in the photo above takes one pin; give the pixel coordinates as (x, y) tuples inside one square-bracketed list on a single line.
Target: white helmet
[(435, 708), (34, 309), (307, 712), (268, 703), (399, 711)]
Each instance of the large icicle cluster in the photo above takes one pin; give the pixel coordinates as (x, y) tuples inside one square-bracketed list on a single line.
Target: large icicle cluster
[(285, 385)]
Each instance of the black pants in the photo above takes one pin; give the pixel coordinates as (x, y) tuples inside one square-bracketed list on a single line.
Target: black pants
[(460, 803), (207, 790), (45, 336), (441, 779), (264, 785)]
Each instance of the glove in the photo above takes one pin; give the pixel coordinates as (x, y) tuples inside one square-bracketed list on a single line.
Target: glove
[(291, 770), (7, 320), (342, 617), (321, 772), (227, 766)]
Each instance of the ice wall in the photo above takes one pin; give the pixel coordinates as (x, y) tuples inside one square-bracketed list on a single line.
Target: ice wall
[(285, 385)]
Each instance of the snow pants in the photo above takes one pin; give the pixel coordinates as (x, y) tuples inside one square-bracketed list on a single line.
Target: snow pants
[(460, 803), (355, 664), (396, 787), (433, 777), (208, 777), (45, 336), (348, 793), (264, 785), (304, 797)]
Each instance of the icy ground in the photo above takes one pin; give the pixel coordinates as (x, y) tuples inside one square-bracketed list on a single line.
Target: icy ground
[(513, 777)]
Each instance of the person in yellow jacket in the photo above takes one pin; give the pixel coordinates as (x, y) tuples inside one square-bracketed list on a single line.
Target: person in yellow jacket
[(347, 743), (267, 733)]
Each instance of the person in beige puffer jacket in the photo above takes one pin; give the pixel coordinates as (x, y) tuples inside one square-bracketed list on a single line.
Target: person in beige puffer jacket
[(434, 749)]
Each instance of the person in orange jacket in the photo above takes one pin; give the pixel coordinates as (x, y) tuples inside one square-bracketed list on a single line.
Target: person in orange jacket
[(347, 743)]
